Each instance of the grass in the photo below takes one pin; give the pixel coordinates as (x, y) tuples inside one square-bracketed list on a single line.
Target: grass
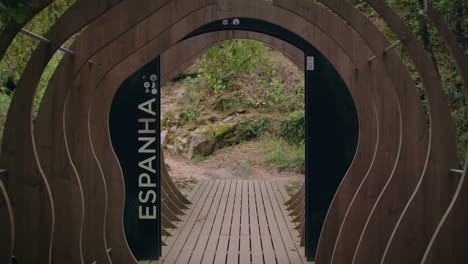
[(282, 155), (198, 157)]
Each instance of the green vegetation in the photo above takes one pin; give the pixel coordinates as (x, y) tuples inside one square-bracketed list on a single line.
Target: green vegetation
[(242, 74), (293, 128), (281, 155), (16, 57)]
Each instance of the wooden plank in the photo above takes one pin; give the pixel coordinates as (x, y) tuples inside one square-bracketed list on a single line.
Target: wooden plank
[(267, 245), (244, 248), (207, 241), (195, 189), (224, 213), (195, 199), (224, 236), (234, 235), (178, 240), (291, 221), (255, 243), (186, 234), (292, 250), (202, 227), (278, 243), (294, 222), (50, 131)]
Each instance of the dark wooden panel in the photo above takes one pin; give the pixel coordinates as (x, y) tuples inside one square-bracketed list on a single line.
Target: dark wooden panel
[(370, 33), (238, 8), (448, 243), (311, 37), (6, 226), (412, 131), (383, 162), (64, 183), (51, 112), (330, 52), (422, 213)]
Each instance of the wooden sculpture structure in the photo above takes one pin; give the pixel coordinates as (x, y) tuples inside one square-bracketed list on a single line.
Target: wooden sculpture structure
[(61, 197)]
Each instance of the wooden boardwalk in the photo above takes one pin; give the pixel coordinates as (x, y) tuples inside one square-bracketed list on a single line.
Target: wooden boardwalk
[(238, 221)]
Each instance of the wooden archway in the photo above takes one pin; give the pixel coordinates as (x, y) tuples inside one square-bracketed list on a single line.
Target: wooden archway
[(399, 166)]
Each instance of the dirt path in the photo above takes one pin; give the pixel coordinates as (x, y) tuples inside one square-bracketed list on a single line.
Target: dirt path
[(181, 168)]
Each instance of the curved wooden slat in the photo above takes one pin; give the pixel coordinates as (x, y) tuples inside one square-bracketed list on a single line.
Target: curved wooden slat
[(169, 187), (296, 196), (362, 77), (375, 39), (51, 112), (382, 167), (410, 236), (18, 139), (76, 114), (170, 204), (7, 238), (28, 190), (448, 243)]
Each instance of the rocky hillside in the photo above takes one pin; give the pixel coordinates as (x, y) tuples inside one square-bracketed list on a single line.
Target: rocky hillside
[(203, 111), (237, 92)]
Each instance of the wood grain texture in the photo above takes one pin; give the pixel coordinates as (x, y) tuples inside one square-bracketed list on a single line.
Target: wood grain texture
[(450, 235), (413, 130), (34, 196), (371, 189), (147, 30), (7, 239), (434, 190), (448, 243), (52, 110), (150, 57)]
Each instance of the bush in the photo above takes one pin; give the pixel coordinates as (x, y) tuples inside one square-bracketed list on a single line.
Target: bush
[(293, 128), (282, 155)]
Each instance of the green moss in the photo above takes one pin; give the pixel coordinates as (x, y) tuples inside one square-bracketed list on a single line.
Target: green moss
[(222, 129), (205, 130)]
